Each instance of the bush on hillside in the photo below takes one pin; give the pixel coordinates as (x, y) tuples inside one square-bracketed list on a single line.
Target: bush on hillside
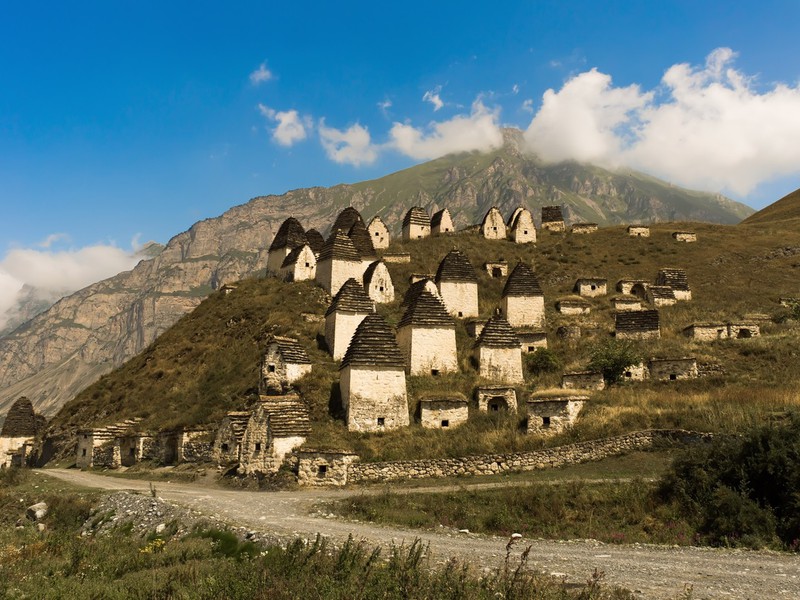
[(543, 360), (744, 490), (613, 357)]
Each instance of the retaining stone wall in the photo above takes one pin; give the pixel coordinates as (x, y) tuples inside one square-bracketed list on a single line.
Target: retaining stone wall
[(493, 464)]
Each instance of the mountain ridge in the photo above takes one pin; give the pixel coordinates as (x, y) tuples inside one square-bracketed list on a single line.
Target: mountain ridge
[(59, 352)]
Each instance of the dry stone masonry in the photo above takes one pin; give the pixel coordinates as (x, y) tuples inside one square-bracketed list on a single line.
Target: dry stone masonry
[(498, 352), (416, 224), (348, 308), (442, 222), (521, 228), (427, 337), (522, 299), (458, 285), (493, 227), (552, 219)]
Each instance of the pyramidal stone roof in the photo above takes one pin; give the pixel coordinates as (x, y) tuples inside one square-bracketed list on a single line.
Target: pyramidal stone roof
[(20, 420), (522, 282), (427, 311), (373, 345), (413, 291), (437, 217), (238, 420), (290, 235), (339, 247), (551, 214), (456, 267), (661, 292), (346, 219), (674, 278), (497, 333), (291, 350), (315, 240), (351, 297), (362, 240), (416, 215), (636, 320), (288, 416)]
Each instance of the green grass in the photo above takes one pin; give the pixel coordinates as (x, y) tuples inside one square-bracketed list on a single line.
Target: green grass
[(213, 563)]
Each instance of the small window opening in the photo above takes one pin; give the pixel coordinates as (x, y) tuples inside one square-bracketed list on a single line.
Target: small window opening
[(494, 228), (445, 423), (545, 422), (496, 272), (377, 234), (381, 421), (593, 287), (460, 314), (84, 452), (224, 447), (531, 348), (258, 446), (322, 470), (86, 437), (672, 376), (525, 232), (380, 288), (628, 374), (308, 265), (271, 368), (435, 372)]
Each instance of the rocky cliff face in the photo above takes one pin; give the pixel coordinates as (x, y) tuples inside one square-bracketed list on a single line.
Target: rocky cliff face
[(61, 351)]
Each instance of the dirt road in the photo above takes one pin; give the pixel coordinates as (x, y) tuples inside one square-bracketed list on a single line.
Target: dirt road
[(650, 571)]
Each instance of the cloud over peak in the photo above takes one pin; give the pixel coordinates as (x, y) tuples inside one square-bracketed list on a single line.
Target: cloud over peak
[(705, 126)]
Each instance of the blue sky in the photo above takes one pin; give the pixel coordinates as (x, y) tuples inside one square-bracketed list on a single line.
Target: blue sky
[(124, 121)]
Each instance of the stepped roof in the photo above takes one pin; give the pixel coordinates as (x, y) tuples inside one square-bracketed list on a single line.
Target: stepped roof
[(21, 420), (414, 290), (456, 267), (522, 282), (315, 240), (362, 240), (351, 297), (292, 257), (551, 214), (426, 310), (674, 278), (416, 215), (339, 247), (373, 345), (376, 219), (661, 292), (497, 333), (238, 420), (291, 350), (437, 217), (346, 219), (288, 416), (636, 320), (290, 235)]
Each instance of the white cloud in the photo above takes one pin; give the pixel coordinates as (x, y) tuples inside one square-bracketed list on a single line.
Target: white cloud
[(52, 239), (707, 126), (291, 127), (351, 146), (463, 133), (527, 105), (515, 89), (432, 96), (385, 106), (56, 273), (260, 75)]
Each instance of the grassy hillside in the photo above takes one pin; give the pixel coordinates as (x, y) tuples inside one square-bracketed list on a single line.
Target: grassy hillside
[(785, 211), (207, 363)]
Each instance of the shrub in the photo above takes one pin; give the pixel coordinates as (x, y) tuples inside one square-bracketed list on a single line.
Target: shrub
[(613, 357), (543, 360)]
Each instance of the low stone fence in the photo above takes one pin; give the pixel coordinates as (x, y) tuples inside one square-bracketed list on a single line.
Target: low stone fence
[(491, 464)]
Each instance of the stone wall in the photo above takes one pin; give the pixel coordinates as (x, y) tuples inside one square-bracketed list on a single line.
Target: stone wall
[(665, 369), (339, 329), (585, 380), (428, 349), (331, 274), (460, 298), (503, 365), (412, 231), (443, 413), (374, 397), (524, 311), (380, 288), (492, 464), (523, 230), (378, 233), (493, 226)]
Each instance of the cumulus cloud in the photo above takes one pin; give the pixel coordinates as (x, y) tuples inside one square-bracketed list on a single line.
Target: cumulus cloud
[(705, 126), (260, 75), (385, 106), (291, 127), (479, 130), (351, 146), (433, 97), (48, 274)]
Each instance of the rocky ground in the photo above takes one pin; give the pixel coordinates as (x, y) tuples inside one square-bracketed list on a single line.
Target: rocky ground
[(648, 570)]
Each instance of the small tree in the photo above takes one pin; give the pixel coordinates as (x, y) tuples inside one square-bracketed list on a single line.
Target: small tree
[(543, 360), (613, 357)]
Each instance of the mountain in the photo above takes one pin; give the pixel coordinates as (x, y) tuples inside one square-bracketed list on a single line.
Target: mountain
[(59, 352), (786, 210)]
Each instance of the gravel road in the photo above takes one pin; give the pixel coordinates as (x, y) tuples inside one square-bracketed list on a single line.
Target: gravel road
[(648, 570)]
